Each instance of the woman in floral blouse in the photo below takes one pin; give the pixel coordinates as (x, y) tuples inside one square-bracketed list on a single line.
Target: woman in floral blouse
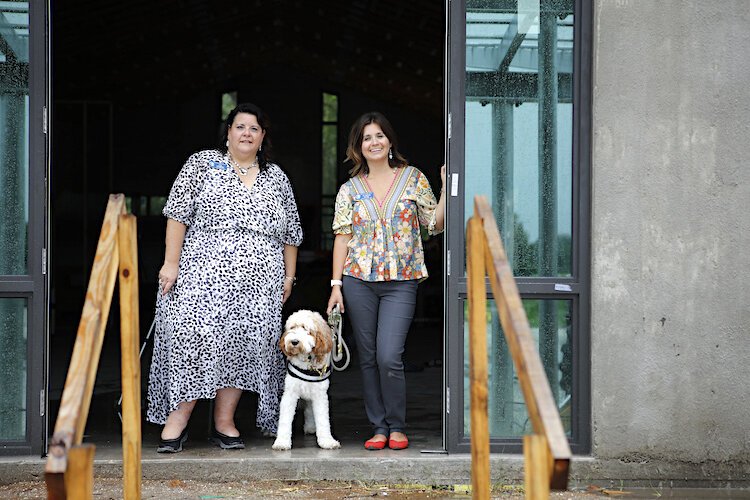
[(378, 260)]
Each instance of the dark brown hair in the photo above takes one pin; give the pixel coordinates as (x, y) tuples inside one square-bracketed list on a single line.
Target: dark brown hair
[(354, 147), (264, 155)]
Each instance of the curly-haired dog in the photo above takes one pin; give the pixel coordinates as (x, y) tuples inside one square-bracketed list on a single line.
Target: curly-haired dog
[(307, 344)]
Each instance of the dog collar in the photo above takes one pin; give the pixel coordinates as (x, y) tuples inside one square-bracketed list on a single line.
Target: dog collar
[(308, 375)]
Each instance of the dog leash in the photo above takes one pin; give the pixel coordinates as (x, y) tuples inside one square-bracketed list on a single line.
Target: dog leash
[(340, 349), (140, 355)]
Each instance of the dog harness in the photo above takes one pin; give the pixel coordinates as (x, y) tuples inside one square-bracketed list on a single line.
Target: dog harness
[(308, 375)]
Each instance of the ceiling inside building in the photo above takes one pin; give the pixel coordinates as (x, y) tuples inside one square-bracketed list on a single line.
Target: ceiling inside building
[(129, 50)]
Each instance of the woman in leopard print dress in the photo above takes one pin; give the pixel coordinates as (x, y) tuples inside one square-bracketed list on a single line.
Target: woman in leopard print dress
[(231, 247)]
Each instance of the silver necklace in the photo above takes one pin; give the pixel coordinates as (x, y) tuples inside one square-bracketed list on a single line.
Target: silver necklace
[(243, 170)]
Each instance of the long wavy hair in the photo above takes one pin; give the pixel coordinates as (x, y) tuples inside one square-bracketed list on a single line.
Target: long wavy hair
[(354, 147), (264, 155)]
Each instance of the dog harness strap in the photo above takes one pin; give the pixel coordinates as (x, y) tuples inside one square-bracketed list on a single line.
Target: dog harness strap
[(308, 375)]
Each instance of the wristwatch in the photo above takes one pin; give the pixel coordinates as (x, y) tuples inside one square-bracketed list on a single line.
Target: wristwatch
[(336, 282)]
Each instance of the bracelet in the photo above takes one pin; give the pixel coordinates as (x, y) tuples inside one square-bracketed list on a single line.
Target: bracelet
[(293, 279), (336, 282)]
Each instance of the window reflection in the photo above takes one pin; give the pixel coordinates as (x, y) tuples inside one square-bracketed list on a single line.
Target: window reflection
[(13, 336), (519, 117), (14, 123), (551, 325)]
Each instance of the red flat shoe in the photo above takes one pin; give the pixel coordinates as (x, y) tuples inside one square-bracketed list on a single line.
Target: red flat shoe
[(374, 445), (396, 444)]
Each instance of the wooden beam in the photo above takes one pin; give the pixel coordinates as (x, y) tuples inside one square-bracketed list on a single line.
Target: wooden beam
[(536, 467), (542, 410), (79, 478), (480, 436), (55, 485), (76, 397), (131, 365)]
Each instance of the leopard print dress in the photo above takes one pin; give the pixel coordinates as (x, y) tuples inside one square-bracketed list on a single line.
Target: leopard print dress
[(220, 324)]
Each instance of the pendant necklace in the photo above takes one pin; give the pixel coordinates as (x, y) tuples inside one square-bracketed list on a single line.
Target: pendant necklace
[(243, 170)]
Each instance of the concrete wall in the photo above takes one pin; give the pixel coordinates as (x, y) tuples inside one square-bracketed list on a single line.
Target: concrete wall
[(671, 217)]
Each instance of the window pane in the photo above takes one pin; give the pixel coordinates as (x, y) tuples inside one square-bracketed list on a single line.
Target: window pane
[(519, 135), (14, 133), (330, 107), (228, 103), (550, 322), (329, 166), (13, 334), (330, 140)]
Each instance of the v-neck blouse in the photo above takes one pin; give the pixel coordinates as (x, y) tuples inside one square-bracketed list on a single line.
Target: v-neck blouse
[(386, 242)]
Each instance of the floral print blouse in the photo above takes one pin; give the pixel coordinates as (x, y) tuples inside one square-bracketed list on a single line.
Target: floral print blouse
[(386, 243)]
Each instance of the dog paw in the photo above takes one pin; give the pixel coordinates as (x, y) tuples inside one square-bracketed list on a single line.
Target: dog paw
[(309, 429), (281, 444), (328, 443)]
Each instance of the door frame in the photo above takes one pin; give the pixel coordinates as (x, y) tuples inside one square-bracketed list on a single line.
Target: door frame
[(33, 285), (535, 288)]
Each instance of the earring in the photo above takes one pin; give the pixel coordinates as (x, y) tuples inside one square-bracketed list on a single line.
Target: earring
[(260, 148), (227, 142), (390, 154)]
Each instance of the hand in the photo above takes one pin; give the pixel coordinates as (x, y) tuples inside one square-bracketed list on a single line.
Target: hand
[(288, 284), (167, 277), (336, 298), (442, 178)]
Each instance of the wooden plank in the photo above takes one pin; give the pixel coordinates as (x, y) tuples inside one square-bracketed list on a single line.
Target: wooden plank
[(480, 436), (131, 365), (536, 467), (55, 482), (79, 478), (542, 410), (76, 397)]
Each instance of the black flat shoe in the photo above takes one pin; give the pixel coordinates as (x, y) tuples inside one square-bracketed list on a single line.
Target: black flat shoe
[(172, 445), (227, 442)]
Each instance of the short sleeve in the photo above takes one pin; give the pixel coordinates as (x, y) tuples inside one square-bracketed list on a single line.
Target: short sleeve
[(342, 212), (180, 205), (293, 232), (426, 204)]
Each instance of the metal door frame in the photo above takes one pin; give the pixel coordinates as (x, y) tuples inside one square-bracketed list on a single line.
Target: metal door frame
[(33, 285), (537, 288)]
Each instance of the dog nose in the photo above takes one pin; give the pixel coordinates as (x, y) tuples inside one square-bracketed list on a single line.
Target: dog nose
[(294, 342)]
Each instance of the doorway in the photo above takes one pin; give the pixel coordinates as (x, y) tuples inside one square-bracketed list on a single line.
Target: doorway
[(139, 86)]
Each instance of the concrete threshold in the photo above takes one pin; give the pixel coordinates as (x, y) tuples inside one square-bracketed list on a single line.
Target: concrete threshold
[(204, 462)]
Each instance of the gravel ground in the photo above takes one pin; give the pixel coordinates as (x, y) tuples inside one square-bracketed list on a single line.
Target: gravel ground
[(107, 488)]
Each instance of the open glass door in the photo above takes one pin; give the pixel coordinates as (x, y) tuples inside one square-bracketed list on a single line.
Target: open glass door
[(518, 103), (22, 226)]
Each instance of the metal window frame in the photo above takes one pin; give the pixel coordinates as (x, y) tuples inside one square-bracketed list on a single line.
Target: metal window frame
[(33, 285), (532, 288)]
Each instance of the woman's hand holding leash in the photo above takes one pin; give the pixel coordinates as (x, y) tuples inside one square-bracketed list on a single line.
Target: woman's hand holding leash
[(288, 284), (167, 277), (336, 299)]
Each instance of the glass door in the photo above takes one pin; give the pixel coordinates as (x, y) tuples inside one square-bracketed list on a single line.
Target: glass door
[(519, 113), (22, 226)]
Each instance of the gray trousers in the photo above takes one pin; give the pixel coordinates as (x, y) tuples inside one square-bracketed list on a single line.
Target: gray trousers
[(381, 313)]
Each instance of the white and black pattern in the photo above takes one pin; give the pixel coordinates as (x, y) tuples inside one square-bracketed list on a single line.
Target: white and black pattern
[(220, 324)]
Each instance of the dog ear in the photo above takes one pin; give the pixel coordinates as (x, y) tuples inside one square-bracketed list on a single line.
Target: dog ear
[(282, 344), (323, 340)]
